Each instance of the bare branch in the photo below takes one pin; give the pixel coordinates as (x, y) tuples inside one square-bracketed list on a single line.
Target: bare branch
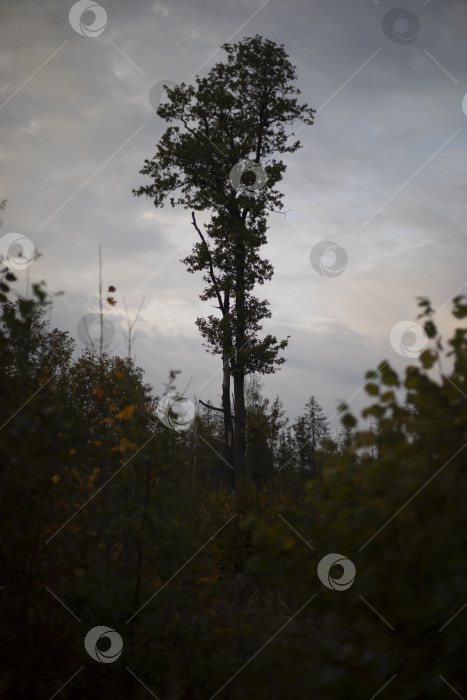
[(131, 324), (211, 265), (208, 405)]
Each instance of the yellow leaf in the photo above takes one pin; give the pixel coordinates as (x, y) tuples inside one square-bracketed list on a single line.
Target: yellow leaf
[(55, 478), (98, 391), (72, 451), (207, 579), (127, 412), (97, 443)]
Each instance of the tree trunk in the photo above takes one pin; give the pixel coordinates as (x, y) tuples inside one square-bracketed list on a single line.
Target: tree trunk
[(228, 423), (239, 448), (240, 349)]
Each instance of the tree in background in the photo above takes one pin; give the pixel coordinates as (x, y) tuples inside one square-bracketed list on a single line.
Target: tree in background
[(196, 579), (345, 439), (264, 422), (309, 431), (234, 120), (32, 349), (399, 516), (317, 429), (285, 452)]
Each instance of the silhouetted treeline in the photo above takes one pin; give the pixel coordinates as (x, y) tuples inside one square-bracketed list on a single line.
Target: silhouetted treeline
[(110, 519)]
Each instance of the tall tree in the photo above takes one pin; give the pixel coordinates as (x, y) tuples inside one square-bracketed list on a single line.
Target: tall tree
[(309, 430), (228, 126), (345, 439), (263, 424), (317, 427), (285, 453)]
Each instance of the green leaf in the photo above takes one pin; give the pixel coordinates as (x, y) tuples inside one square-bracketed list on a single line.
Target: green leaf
[(348, 421), (430, 329), (428, 358), (389, 376), (372, 389)]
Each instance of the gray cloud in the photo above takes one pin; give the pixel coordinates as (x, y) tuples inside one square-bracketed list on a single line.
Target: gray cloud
[(65, 124)]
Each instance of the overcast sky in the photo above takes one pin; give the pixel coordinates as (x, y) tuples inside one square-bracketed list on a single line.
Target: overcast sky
[(382, 173)]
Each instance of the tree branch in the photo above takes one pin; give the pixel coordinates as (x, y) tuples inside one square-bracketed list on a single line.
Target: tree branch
[(208, 405), (211, 265)]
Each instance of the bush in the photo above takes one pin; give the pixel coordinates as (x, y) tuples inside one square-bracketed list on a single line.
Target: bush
[(400, 519)]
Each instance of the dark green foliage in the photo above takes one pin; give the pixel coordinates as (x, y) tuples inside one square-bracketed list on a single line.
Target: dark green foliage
[(107, 517), (400, 518)]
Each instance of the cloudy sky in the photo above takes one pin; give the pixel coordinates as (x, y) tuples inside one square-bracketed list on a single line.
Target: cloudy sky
[(382, 174)]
